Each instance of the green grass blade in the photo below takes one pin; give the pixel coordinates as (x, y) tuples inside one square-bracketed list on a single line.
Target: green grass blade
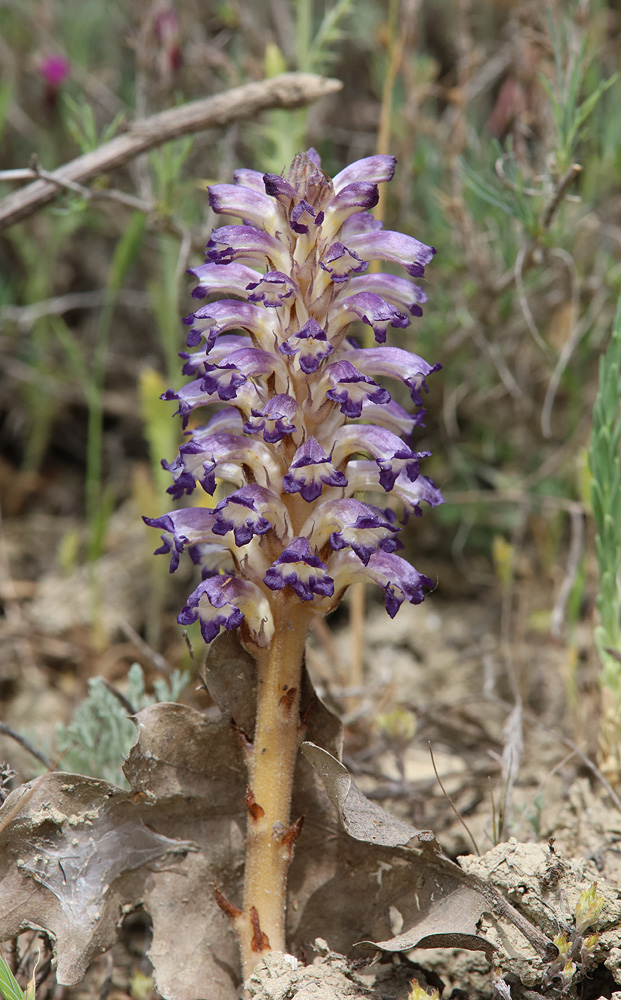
[(9, 987)]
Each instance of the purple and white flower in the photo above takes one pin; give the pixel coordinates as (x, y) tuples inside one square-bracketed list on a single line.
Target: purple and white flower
[(225, 601), (311, 345), (284, 462), (300, 568), (276, 419), (311, 469)]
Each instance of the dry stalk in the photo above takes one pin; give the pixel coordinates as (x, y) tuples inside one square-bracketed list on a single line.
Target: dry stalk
[(288, 90)]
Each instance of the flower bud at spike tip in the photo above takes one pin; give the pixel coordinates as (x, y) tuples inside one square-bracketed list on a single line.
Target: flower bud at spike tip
[(302, 419)]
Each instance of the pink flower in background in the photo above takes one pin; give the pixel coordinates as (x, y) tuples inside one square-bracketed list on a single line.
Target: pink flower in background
[(166, 24), (55, 70)]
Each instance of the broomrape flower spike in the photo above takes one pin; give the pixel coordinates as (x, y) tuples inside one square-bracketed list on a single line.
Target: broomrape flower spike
[(305, 429)]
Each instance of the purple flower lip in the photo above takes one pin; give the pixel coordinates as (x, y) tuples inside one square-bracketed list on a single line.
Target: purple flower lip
[(235, 370), (311, 343), (241, 517), (363, 476), (279, 188), (187, 527), (350, 388), (371, 309), (195, 394), (402, 292), (229, 314), (399, 581), (311, 470), (275, 419), (304, 211), (225, 602), (225, 454), (351, 523), (299, 567), (272, 289), (251, 510), (223, 379), (390, 453), (341, 262), (224, 346)]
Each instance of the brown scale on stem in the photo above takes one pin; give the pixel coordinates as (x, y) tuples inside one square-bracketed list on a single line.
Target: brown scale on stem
[(288, 698), (232, 911), (307, 712), (260, 941), (242, 738), (252, 806), (292, 833)]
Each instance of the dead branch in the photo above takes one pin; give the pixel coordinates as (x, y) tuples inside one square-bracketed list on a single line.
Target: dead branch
[(289, 90)]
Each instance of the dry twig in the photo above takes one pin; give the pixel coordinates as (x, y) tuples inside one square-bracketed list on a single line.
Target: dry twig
[(27, 745), (288, 90)]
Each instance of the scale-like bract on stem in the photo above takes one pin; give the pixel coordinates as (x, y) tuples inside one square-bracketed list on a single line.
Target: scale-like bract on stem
[(305, 424)]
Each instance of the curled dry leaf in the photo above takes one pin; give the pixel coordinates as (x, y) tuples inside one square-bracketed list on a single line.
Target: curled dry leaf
[(80, 852), (398, 877), (70, 859)]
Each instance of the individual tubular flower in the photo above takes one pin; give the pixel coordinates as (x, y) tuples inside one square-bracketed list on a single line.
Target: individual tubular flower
[(350, 388), (275, 419), (224, 601), (300, 568), (289, 280), (399, 581), (352, 523), (311, 345), (311, 469)]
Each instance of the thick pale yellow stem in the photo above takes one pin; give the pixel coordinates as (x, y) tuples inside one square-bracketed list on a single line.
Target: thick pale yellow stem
[(271, 762)]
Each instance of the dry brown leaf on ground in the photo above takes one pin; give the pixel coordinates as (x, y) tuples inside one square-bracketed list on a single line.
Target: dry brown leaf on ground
[(81, 852), (402, 879)]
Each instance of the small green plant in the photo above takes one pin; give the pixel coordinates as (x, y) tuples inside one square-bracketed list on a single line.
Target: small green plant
[(418, 993), (315, 48), (166, 163), (81, 124), (100, 734), (10, 988), (606, 501), (576, 947), (91, 375), (569, 111)]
